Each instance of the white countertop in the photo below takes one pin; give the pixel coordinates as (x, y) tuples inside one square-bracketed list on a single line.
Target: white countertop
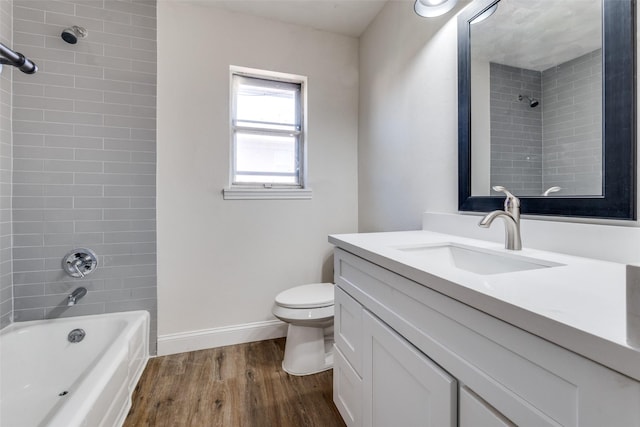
[(580, 306)]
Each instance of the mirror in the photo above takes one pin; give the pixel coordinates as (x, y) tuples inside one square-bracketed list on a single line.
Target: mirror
[(547, 106)]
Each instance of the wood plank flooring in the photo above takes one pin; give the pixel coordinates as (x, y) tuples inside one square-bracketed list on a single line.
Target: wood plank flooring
[(241, 385)]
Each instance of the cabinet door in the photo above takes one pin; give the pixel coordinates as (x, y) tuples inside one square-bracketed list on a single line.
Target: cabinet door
[(401, 386), (348, 328), (347, 390), (475, 412)]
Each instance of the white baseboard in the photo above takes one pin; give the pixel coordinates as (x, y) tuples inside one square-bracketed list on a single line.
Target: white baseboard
[(219, 337)]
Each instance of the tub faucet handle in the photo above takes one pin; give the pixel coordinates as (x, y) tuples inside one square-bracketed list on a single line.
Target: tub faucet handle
[(76, 266), (80, 262)]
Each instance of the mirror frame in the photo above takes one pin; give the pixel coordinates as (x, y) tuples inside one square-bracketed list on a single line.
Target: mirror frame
[(618, 200)]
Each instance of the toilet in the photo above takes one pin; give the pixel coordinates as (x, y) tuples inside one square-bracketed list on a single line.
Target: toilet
[(308, 309)]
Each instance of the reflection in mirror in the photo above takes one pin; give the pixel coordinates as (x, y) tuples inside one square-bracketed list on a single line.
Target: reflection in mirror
[(536, 98), (573, 192)]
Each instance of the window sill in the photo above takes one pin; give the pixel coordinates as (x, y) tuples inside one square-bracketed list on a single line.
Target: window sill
[(266, 194)]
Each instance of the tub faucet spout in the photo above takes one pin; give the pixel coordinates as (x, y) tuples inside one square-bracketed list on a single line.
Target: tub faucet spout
[(511, 217), (74, 296)]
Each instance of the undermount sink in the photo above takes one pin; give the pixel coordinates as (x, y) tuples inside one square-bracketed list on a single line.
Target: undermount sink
[(475, 260)]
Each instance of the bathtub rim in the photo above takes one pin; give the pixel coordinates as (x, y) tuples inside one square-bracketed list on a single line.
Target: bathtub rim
[(87, 393)]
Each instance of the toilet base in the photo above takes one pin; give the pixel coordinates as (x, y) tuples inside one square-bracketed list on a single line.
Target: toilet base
[(308, 350)]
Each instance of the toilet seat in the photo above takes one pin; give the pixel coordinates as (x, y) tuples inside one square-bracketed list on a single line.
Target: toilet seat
[(310, 316), (315, 295), (309, 312)]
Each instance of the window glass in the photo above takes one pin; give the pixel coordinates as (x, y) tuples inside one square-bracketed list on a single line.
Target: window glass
[(266, 158), (267, 132), (267, 106)]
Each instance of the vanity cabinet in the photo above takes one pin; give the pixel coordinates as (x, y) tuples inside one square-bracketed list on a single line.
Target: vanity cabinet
[(475, 412), (395, 383), (407, 355), (402, 387)]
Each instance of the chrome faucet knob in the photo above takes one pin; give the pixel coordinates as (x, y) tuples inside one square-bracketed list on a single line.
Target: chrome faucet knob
[(80, 262)]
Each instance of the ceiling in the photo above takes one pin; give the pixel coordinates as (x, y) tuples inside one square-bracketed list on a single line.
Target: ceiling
[(524, 33), (537, 35), (347, 17)]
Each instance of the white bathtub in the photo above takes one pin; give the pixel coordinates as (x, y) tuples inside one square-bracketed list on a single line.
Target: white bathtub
[(38, 365)]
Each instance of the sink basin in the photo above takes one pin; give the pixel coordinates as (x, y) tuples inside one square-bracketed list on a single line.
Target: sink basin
[(475, 260)]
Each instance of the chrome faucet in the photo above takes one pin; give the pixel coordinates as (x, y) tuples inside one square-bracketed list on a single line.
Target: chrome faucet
[(74, 296), (511, 217)]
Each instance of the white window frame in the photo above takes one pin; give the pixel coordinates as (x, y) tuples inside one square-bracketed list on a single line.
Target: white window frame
[(237, 191)]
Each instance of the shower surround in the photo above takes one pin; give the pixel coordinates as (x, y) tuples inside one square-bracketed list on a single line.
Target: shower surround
[(557, 142), (84, 158), (6, 279)]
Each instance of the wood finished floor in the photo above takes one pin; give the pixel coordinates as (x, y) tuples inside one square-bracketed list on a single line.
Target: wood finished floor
[(241, 385)]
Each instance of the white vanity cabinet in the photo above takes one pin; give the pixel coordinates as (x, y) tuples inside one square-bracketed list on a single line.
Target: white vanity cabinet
[(475, 412), (394, 383), (401, 386), (407, 355)]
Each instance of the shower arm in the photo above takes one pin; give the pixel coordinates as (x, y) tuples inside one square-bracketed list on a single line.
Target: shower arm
[(16, 59)]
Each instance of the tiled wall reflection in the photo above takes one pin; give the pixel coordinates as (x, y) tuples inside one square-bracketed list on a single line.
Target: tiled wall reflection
[(6, 279), (516, 130), (559, 141), (572, 132)]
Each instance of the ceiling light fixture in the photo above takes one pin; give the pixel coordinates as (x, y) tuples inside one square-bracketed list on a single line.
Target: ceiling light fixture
[(432, 8)]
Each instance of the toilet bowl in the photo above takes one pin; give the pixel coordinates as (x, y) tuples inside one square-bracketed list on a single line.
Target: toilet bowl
[(308, 309)]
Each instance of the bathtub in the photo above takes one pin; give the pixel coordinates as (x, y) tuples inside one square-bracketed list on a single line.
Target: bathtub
[(45, 380)]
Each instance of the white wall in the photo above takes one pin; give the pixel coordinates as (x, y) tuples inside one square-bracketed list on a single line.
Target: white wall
[(408, 118), (407, 149), (221, 262)]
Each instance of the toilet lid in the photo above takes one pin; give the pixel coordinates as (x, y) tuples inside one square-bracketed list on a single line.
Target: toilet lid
[(307, 296)]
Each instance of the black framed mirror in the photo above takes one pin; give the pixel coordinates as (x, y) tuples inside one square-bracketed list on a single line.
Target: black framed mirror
[(560, 175)]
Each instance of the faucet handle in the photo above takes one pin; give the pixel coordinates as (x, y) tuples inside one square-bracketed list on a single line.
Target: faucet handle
[(502, 189), (511, 202), (80, 262)]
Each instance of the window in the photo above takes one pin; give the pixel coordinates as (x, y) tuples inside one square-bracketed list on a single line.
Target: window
[(267, 128)]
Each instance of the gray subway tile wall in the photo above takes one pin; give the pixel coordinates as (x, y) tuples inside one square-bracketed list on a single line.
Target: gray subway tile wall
[(572, 133), (558, 142), (6, 267), (84, 157), (516, 130)]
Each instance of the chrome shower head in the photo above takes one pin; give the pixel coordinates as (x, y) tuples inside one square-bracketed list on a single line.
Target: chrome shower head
[(532, 101), (72, 34)]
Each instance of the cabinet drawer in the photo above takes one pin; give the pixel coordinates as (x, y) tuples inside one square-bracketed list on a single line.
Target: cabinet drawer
[(347, 390), (348, 328)]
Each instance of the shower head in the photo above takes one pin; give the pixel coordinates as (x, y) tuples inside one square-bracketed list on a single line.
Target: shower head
[(532, 101), (72, 34)]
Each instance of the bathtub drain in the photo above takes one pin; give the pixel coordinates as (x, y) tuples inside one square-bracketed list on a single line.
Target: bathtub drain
[(76, 335)]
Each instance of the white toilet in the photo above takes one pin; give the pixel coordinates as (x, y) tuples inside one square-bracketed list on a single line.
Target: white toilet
[(308, 309)]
